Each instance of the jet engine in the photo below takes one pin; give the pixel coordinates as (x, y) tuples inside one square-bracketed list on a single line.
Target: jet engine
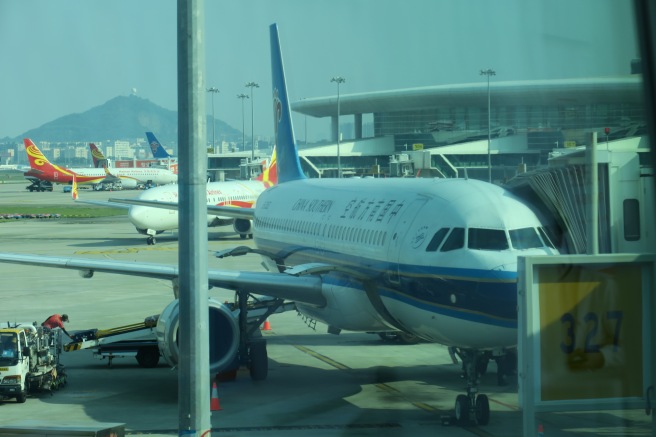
[(243, 226), (224, 335)]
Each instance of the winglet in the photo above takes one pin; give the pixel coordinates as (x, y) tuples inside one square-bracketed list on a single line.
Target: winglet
[(289, 165)]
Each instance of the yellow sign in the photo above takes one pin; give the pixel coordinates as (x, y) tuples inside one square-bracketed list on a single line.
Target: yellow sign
[(417, 146), (590, 332), (570, 143)]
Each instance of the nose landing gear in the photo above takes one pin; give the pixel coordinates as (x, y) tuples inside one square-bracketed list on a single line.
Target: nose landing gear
[(472, 407)]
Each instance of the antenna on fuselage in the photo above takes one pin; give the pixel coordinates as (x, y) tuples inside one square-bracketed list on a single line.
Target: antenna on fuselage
[(466, 175)]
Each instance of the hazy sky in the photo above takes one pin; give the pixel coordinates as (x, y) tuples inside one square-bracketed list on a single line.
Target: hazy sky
[(68, 56)]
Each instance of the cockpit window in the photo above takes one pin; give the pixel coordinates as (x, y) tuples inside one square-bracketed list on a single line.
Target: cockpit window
[(437, 240), (487, 239), (456, 240), (547, 237), (525, 238)]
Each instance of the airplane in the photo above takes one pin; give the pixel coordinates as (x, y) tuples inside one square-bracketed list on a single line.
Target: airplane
[(156, 210), (435, 258), (42, 169)]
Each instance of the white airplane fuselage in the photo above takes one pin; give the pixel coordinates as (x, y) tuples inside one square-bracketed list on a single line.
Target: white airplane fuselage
[(226, 193), (386, 235), (131, 177)]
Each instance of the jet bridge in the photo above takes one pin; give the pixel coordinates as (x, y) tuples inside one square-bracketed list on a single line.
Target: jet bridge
[(625, 199)]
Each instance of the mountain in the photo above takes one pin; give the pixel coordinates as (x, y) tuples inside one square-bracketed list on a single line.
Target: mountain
[(122, 118)]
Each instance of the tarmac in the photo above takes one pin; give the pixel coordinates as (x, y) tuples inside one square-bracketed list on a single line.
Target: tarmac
[(319, 384)]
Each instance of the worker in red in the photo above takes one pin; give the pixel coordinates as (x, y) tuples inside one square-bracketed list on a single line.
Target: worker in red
[(56, 321)]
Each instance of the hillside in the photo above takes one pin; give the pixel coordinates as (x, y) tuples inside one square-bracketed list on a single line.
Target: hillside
[(121, 118)]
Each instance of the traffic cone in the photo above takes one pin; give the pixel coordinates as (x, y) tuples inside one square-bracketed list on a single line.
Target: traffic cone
[(267, 325), (214, 403)]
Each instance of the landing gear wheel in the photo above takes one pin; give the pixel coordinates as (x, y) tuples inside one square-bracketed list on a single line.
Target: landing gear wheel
[(148, 356), (150, 241), (482, 410), (462, 409), (259, 361)]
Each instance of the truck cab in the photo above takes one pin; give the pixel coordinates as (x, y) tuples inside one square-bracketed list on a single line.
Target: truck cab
[(14, 363)]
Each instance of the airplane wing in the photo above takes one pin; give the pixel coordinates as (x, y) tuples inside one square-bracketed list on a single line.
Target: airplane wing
[(303, 289), (227, 211), (102, 203)]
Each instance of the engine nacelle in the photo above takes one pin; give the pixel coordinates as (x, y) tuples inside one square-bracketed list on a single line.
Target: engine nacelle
[(224, 335), (243, 226)]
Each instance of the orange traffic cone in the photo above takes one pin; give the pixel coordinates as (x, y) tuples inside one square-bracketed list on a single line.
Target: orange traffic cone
[(214, 403), (267, 325)]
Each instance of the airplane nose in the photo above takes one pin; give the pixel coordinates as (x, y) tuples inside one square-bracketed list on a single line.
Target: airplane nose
[(139, 216)]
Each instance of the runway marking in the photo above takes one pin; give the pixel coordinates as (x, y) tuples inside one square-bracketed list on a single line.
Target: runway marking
[(323, 358), (503, 404), (388, 388)]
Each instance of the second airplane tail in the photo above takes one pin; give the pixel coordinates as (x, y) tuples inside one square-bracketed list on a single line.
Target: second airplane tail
[(99, 159), (156, 147)]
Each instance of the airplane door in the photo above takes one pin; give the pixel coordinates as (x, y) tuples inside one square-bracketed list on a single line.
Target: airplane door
[(400, 235)]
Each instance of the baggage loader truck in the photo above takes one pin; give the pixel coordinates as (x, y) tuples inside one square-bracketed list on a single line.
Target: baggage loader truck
[(29, 360)]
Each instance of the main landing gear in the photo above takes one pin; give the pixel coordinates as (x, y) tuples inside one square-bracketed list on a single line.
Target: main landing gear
[(472, 407)]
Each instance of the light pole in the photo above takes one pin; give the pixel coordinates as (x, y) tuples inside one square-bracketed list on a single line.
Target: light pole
[(213, 90), (243, 140), (252, 85), (338, 80), (489, 72)]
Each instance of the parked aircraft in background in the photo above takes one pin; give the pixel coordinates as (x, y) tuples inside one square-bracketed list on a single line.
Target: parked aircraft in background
[(42, 169), (156, 210), (435, 258)]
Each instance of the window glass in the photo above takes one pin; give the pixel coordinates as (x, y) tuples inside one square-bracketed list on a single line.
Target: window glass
[(546, 237), (525, 238), (436, 240), (456, 240), (487, 239)]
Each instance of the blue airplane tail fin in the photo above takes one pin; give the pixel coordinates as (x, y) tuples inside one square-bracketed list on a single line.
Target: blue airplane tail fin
[(158, 151), (289, 165)]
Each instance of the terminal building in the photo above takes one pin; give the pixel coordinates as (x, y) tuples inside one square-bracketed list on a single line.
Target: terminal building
[(443, 130)]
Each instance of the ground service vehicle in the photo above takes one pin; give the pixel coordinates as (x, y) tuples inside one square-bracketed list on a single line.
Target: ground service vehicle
[(29, 360), (38, 185)]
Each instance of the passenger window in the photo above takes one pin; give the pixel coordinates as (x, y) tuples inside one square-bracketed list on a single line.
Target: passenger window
[(525, 238), (487, 239), (456, 240), (437, 240)]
